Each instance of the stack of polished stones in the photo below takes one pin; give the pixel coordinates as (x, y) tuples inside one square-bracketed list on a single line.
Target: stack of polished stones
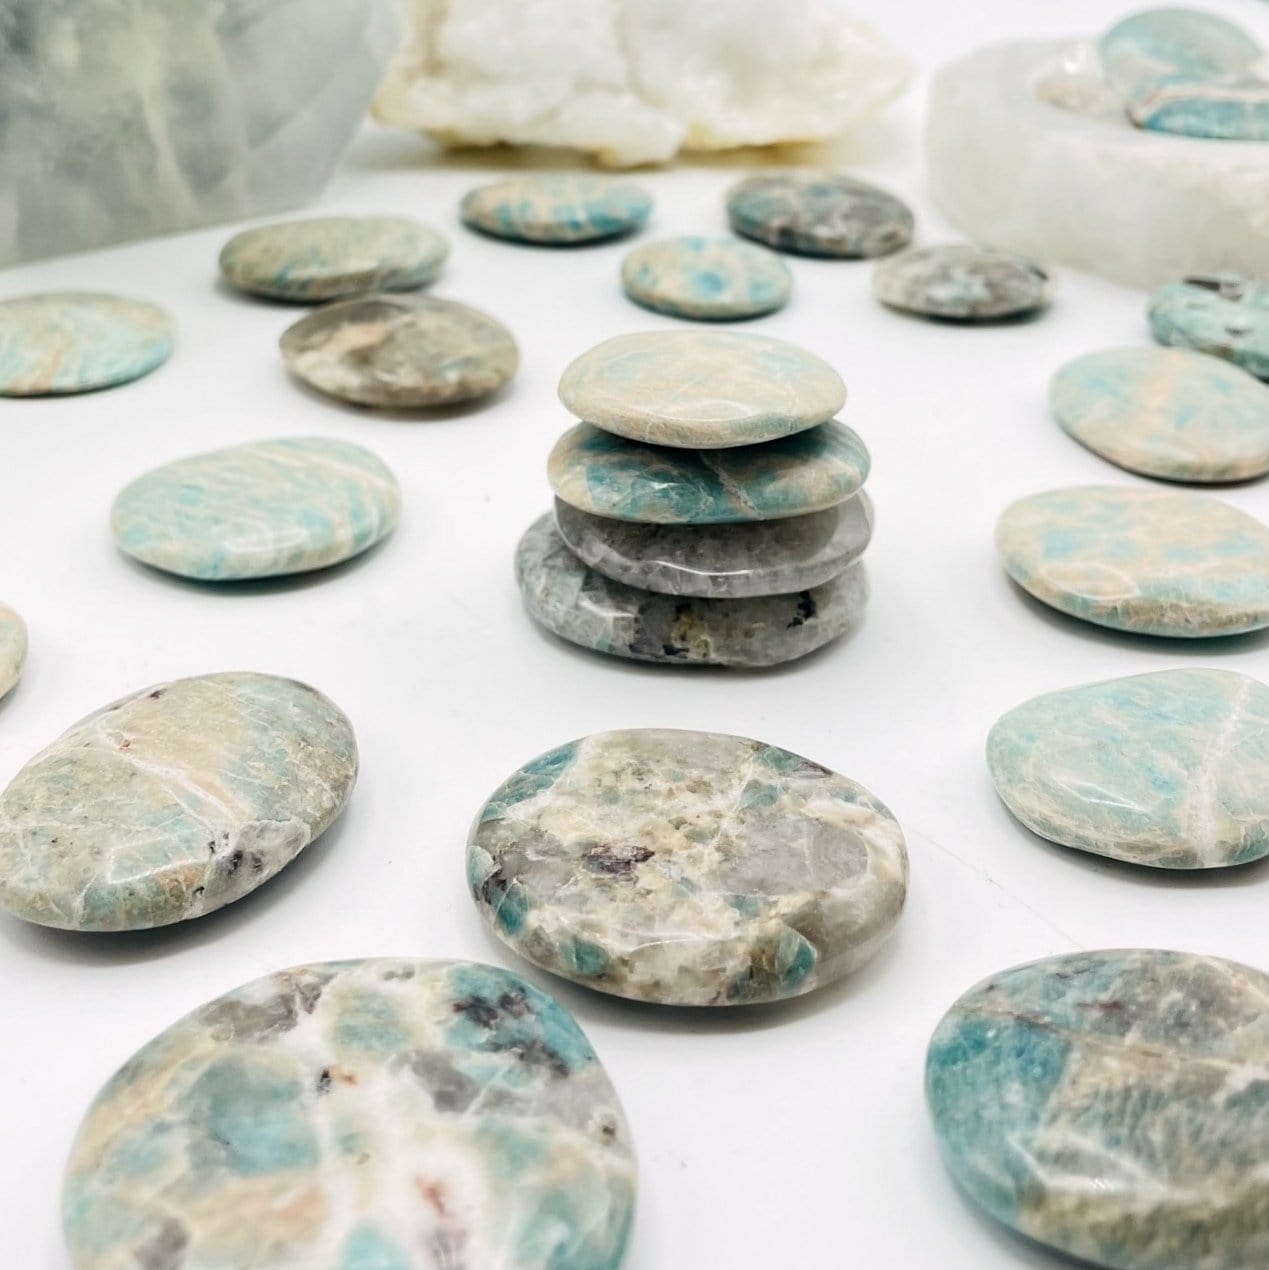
[(709, 510)]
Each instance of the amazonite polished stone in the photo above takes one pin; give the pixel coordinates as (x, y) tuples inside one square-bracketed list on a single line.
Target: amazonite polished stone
[(1166, 412), (357, 1115), (63, 342), (558, 208), (1169, 769), (1157, 562), (687, 868), (708, 279), (13, 645), (1114, 1106), (333, 256), (961, 283), (1224, 315), (259, 510), (172, 802)]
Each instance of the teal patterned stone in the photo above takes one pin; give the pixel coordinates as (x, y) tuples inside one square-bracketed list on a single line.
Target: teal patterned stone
[(260, 510), (13, 645), (1169, 769), (708, 279), (558, 208), (1221, 314), (357, 1115), (1113, 1106)]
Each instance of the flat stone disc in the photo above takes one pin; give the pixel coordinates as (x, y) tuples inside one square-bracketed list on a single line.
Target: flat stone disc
[(172, 802), (66, 342), (961, 283), (1169, 769), (334, 256), (709, 279), (1157, 562), (13, 645), (1112, 1105), (687, 868), (401, 351), (1224, 315), (558, 208), (259, 510), (357, 1115)]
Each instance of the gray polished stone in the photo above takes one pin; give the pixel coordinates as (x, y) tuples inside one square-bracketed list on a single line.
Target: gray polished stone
[(961, 283)]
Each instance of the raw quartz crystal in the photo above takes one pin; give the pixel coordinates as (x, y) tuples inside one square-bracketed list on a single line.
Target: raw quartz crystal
[(635, 81)]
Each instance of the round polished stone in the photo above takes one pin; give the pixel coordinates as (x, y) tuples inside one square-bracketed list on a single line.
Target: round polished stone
[(357, 1115), (709, 279), (331, 257), (819, 214), (401, 351), (259, 510), (961, 283), (1157, 562), (1224, 315), (65, 342), (13, 645), (772, 557), (1166, 412), (1112, 1105), (1169, 769), (701, 389), (172, 802), (558, 208), (605, 475), (687, 868)]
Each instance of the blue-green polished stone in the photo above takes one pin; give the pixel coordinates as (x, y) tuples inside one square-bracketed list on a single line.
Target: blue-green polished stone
[(709, 279), (1221, 314), (558, 208), (1114, 1106)]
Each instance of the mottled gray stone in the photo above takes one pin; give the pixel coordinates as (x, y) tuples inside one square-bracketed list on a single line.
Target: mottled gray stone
[(961, 283)]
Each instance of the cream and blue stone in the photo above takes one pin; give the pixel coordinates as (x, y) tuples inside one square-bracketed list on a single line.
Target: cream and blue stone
[(172, 802), (687, 868), (61, 342), (1114, 1106), (558, 208), (957, 282), (260, 510), (707, 279), (13, 648), (1221, 314), (1171, 413), (357, 1115), (1157, 562), (1168, 769)]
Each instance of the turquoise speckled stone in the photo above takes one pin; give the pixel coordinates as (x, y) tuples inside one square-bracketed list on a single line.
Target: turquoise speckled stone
[(1166, 412), (172, 802), (13, 644), (558, 208), (259, 510), (67, 342), (687, 868), (1154, 561), (357, 1115), (709, 279), (1114, 1106), (1224, 315), (1169, 769)]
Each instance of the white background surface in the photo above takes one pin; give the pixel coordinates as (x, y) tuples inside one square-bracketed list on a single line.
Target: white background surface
[(788, 1136)]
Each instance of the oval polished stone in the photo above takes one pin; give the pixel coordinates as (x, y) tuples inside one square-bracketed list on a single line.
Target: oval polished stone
[(259, 510), (172, 802), (582, 606), (687, 868), (1113, 1105), (333, 256), (771, 557), (13, 645), (623, 480), (1169, 769), (961, 283), (1157, 562), (708, 279), (402, 351), (814, 213), (1224, 315), (357, 1115), (558, 208), (1166, 412), (65, 342)]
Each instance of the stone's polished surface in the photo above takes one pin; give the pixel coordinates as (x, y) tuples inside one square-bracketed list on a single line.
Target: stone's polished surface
[(1169, 769), (814, 213), (408, 352), (687, 868), (1157, 562), (623, 480), (358, 1115), (558, 208), (701, 389), (61, 342), (13, 645), (1166, 412), (172, 802), (772, 557), (962, 283), (1113, 1105), (259, 510), (1223, 314), (332, 257), (710, 279)]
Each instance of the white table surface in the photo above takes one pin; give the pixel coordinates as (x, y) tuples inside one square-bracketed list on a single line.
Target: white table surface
[(781, 1136)]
